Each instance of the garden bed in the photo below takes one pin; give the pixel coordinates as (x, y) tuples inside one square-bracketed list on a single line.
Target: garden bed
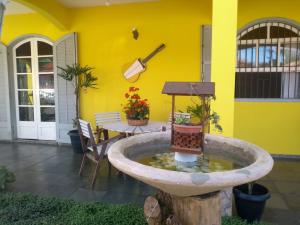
[(26, 209)]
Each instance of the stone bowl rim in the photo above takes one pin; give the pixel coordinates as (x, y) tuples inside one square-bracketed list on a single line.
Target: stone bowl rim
[(213, 181)]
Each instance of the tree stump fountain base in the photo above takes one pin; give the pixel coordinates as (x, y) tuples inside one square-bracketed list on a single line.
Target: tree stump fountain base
[(165, 209)]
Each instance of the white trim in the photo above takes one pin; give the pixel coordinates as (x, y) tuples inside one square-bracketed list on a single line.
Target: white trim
[(279, 69), (266, 100), (274, 20)]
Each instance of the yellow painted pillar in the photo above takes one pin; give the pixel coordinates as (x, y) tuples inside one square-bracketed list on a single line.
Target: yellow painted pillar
[(224, 29)]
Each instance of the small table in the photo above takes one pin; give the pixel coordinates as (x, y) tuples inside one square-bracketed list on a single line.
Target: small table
[(123, 127)]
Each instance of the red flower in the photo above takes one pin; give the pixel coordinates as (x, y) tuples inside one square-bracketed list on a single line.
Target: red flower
[(135, 106)]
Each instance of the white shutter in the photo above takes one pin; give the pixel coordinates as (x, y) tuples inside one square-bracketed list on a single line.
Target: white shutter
[(206, 53), (66, 54), (5, 123)]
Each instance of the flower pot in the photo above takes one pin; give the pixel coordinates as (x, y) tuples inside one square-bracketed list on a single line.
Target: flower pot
[(188, 129), (251, 206), (187, 139), (75, 141), (132, 122)]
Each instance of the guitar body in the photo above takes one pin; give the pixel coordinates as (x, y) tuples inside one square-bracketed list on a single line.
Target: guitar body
[(133, 70)]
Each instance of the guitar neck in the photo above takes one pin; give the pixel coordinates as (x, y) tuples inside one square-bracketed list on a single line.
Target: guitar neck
[(152, 54)]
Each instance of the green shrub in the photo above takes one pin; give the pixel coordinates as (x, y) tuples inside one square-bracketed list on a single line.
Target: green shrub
[(5, 177), (237, 221), (23, 209), (26, 209)]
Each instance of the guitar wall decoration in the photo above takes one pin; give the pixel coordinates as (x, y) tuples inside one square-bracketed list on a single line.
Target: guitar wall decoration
[(133, 72)]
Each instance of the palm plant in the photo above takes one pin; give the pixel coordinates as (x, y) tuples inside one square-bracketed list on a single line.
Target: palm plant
[(203, 113), (81, 78)]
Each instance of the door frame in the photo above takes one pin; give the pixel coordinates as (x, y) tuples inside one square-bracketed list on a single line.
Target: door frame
[(11, 76)]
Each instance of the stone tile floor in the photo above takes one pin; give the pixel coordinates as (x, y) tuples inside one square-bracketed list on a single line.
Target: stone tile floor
[(53, 171)]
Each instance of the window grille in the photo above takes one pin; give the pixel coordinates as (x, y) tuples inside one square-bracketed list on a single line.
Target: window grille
[(268, 61)]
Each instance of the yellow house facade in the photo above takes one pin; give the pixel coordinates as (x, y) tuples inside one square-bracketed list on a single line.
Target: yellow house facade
[(260, 111)]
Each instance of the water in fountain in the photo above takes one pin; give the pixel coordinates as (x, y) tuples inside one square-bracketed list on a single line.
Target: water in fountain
[(206, 164)]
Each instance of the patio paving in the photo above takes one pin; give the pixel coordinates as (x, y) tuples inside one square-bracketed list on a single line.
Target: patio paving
[(49, 170)]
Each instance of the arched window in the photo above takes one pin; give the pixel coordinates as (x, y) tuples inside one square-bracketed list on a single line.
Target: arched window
[(268, 61)]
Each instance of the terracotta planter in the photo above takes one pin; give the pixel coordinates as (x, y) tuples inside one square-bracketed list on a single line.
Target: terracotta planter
[(188, 129), (132, 122), (187, 139)]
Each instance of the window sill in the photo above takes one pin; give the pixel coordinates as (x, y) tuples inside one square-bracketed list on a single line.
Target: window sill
[(265, 100)]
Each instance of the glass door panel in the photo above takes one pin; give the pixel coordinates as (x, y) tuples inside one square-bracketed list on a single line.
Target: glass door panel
[(26, 113), (47, 98), (25, 94), (47, 114), (46, 81), (24, 81), (45, 64), (24, 50), (25, 98), (24, 65), (44, 48)]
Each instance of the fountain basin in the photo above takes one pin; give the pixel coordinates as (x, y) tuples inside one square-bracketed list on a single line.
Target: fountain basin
[(124, 153)]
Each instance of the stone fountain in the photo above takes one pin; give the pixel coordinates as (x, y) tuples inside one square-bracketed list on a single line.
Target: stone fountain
[(195, 194)]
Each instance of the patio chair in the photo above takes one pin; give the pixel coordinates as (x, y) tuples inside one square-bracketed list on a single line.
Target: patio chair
[(95, 152), (101, 119)]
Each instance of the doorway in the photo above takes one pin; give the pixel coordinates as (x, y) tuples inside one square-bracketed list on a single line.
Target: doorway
[(34, 89)]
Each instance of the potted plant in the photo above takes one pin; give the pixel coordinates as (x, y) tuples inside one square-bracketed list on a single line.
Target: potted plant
[(189, 135), (81, 78), (250, 201), (136, 109)]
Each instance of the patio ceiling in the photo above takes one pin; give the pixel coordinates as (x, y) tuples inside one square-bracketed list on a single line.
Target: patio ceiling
[(57, 10), (13, 8), (89, 3), (52, 10)]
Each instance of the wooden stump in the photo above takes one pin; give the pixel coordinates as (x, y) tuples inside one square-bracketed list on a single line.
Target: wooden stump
[(198, 210), (167, 209), (152, 211), (172, 220)]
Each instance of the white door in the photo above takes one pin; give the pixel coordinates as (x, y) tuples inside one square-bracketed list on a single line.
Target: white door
[(34, 89)]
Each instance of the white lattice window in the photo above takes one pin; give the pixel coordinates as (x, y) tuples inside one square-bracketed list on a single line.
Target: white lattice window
[(268, 61)]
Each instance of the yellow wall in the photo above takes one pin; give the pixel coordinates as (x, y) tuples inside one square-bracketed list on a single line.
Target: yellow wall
[(15, 26), (105, 42), (271, 125)]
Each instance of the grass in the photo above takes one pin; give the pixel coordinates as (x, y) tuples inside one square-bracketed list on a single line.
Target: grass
[(238, 221), (26, 209)]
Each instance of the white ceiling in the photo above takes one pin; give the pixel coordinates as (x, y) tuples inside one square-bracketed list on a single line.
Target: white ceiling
[(87, 3), (16, 8)]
